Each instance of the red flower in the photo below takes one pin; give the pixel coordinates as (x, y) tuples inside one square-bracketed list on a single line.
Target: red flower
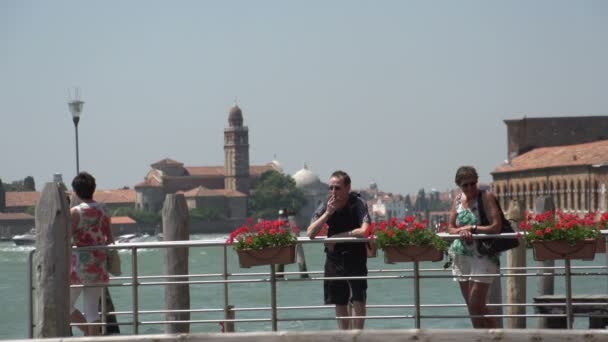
[(539, 233), (390, 233), (548, 230), (249, 240)]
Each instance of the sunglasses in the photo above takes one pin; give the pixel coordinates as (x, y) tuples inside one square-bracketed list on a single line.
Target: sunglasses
[(334, 187), (466, 185)]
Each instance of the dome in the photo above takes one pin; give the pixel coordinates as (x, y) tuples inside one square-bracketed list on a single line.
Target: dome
[(276, 165), (235, 118), (305, 178)]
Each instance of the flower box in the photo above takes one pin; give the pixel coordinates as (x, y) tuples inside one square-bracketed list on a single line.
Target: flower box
[(561, 249), (267, 256), (408, 253)]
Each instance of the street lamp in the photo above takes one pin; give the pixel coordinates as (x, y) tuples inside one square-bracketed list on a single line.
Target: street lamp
[(76, 108)]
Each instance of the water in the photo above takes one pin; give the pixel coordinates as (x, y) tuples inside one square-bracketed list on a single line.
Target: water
[(13, 317)]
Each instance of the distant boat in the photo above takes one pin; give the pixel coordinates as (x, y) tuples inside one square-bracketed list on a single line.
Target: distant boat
[(26, 239), (135, 237)]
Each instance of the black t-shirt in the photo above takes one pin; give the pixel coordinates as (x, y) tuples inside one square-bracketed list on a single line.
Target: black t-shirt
[(353, 215)]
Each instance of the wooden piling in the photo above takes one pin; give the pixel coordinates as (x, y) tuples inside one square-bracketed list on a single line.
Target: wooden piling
[(52, 263), (176, 227), (546, 284), (516, 257)]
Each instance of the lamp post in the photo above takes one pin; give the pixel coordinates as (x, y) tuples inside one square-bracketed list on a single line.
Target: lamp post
[(76, 108)]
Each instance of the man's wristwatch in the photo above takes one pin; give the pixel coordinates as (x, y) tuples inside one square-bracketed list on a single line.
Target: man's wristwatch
[(474, 230)]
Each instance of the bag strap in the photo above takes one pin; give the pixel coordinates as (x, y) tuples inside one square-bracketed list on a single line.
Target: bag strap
[(483, 218)]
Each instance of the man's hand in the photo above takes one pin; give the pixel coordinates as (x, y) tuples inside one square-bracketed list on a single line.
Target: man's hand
[(331, 204)]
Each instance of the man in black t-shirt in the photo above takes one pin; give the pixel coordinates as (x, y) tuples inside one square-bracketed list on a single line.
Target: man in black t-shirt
[(346, 215)]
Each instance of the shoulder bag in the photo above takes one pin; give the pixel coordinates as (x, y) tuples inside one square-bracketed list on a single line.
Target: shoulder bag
[(494, 246)]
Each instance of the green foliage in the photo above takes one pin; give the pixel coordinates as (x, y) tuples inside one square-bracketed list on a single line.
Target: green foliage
[(141, 216), (27, 184), (407, 232), (207, 214), (275, 191), (31, 210)]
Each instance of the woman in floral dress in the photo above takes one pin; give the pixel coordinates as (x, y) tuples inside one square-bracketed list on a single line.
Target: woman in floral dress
[(90, 227), (468, 265)]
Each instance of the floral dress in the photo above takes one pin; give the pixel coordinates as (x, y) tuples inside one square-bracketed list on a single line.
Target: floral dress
[(465, 258), (93, 230)]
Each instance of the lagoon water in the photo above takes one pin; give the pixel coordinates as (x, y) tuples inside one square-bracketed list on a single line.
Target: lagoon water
[(13, 316)]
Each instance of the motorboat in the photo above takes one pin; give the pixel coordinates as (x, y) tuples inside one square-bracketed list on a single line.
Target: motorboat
[(26, 239), (134, 237)]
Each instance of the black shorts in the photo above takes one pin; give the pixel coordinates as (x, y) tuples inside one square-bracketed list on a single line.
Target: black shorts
[(345, 264)]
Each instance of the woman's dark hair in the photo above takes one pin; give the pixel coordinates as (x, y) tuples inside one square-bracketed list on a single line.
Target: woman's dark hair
[(84, 185), (342, 175), (465, 172)]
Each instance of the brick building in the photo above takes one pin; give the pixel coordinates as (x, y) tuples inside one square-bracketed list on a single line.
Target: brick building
[(225, 188), (566, 158)]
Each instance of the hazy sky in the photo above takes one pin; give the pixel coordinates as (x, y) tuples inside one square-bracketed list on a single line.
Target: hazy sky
[(400, 92)]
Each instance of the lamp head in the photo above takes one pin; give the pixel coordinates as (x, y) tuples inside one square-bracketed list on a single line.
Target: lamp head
[(76, 108)]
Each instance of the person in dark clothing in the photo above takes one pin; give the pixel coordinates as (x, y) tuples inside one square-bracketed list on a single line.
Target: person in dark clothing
[(346, 215)]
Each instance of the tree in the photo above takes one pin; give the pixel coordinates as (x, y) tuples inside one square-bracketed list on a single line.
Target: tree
[(29, 184), (275, 191), (141, 216), (207, 214), (421, 201)]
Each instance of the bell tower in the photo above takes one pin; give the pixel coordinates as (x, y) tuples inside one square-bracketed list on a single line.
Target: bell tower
[(236, 152)]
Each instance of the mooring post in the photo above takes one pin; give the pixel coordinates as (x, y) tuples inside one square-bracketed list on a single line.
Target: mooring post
[(52, 263), (176, 227)]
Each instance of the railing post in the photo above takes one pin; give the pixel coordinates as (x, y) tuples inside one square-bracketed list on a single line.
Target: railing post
[(228, 312), (273, 297), (417, 293), (30, 294), (569, 316), (104, 310), (134, 290)]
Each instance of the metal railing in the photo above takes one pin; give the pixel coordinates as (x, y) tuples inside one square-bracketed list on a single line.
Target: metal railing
[(416, 274)]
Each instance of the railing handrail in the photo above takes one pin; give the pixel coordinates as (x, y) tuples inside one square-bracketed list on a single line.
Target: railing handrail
[(300, 240), (136, 281)]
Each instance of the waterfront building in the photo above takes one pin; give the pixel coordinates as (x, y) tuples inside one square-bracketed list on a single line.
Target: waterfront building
[(563, 157)]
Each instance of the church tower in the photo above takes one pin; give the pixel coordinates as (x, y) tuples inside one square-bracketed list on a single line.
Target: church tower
[(236, 152)]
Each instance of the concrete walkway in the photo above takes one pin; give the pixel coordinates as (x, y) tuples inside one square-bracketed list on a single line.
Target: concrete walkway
[(434, 335)]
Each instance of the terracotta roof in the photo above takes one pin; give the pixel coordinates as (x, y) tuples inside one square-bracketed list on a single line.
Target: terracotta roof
[(15, 216), (22, 198), (115, 196), (254, 170), (571, 155), (205, 170), (166, 162), (122, 220), (201, 191)]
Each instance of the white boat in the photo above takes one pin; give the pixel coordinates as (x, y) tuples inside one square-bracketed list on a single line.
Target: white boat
[(26, 239), (135, 237)]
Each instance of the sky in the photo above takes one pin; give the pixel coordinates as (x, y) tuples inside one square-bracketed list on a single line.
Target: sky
[(397, 92)]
